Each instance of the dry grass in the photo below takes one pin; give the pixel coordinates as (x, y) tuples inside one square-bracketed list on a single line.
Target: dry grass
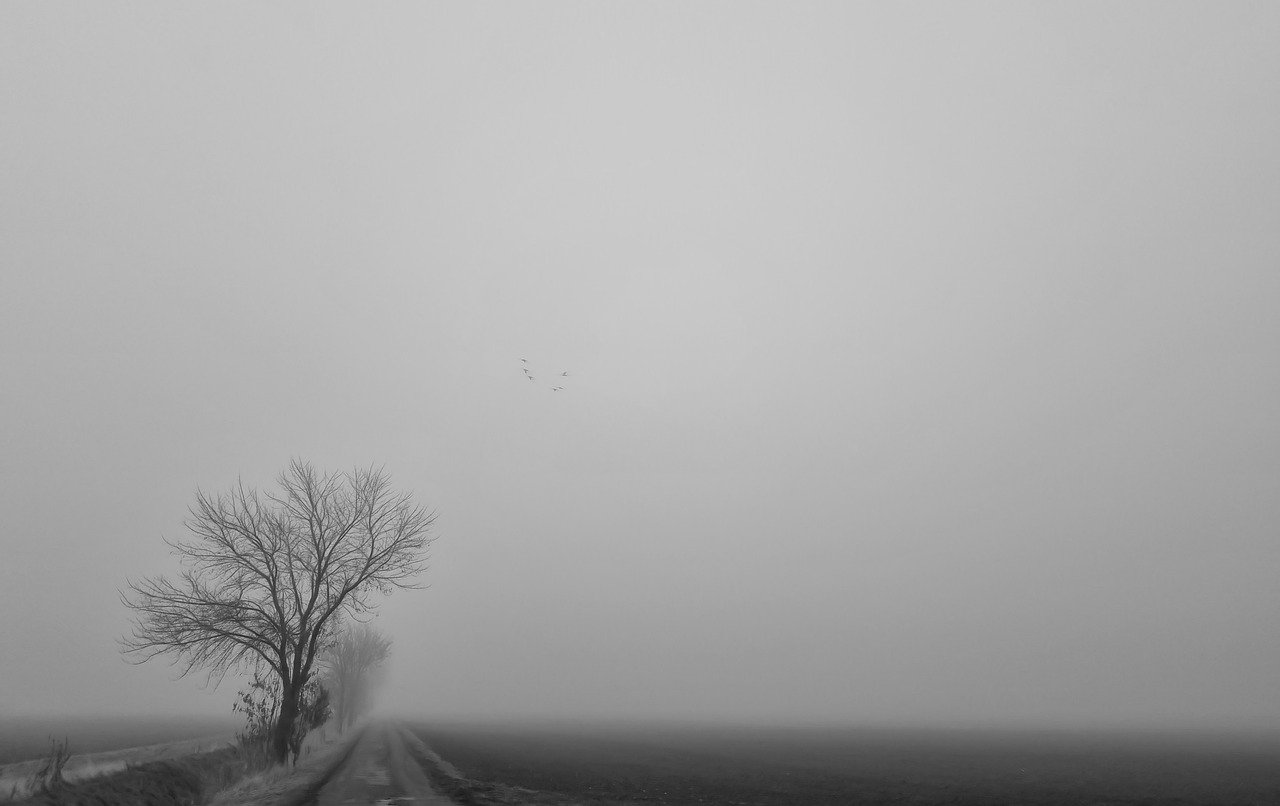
[(179, 781), (16, 779), (285, 784), (229, 775), (48, 776)]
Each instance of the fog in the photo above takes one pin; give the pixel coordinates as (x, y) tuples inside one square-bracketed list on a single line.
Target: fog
[(922, 360)]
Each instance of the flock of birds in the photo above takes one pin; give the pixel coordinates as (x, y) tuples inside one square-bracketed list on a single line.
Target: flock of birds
[(524, 366)]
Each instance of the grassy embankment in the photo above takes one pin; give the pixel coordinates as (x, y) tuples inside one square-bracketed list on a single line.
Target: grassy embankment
[(231, 775), (189, 779)]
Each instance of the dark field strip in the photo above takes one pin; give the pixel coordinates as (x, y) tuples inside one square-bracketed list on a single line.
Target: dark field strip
[(792, 767)]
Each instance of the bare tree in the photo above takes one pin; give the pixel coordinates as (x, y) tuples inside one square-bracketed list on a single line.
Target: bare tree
[(268, 576), (349, 664)]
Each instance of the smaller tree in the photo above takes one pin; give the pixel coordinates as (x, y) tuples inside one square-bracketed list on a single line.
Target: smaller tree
[(350, 664)]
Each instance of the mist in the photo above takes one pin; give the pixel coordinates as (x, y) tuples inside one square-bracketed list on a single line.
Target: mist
[(921, 361)]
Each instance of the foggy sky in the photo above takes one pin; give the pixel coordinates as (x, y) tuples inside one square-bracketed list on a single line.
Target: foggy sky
[(923, 358)]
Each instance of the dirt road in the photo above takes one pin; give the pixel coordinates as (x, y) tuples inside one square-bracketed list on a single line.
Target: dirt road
[(380, 770)]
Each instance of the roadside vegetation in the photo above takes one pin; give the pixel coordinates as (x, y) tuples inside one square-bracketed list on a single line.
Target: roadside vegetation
[(260, 705), (197, 778), (190, 779)]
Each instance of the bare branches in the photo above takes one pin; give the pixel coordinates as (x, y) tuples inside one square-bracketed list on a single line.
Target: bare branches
[(266, 575), (204, 627)]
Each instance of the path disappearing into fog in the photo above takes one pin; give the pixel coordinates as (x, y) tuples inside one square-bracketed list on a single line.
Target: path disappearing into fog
[(380, 770)]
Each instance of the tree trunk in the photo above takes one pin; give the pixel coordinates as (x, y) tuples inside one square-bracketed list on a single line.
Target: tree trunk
[(284, 725)]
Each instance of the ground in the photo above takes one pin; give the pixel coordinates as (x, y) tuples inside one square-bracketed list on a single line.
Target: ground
[(387, 764)]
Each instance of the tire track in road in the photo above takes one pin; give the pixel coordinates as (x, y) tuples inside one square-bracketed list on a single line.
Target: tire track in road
[(379, 772)]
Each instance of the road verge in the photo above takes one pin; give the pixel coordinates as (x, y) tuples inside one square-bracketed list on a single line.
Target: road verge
[(291, 786)]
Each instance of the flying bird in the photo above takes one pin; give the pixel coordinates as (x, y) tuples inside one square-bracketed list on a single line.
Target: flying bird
[(524, 362)]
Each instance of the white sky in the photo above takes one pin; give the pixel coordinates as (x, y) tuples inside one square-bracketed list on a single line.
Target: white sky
[(923, 358)]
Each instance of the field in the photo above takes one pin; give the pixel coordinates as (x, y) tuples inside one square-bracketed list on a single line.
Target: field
[(619, 765), (27, 738)]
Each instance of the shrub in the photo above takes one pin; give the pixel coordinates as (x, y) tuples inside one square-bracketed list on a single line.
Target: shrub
[(260, 704), (48, 776)]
